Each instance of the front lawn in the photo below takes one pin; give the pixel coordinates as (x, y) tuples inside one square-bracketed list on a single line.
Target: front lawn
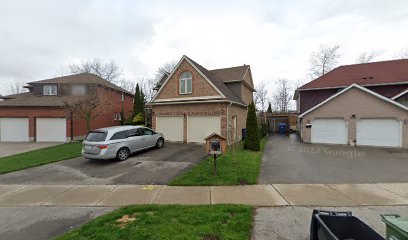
[(144, 222), (39, 157), (242, 170)]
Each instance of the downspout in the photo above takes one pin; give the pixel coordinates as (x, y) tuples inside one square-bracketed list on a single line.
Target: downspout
[(228, 137), (72, 126)]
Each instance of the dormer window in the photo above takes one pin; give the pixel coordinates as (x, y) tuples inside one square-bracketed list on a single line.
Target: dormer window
[(50, 90), (78, 90), (186, 83)]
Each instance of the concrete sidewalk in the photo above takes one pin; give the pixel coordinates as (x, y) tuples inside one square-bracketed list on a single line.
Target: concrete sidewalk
[(256, 195)]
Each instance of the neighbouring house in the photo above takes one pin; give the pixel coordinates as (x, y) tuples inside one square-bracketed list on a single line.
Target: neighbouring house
[(193, 102), (39, 114), (273, 119), (360, 104)]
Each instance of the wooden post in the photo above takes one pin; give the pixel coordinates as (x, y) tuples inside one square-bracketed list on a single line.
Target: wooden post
[(215, 164)]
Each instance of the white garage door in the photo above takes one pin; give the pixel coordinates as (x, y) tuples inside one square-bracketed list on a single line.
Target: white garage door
[(199, 127), (14, 130), (331, 130), (51, 129), (171, 127), (379, 132)]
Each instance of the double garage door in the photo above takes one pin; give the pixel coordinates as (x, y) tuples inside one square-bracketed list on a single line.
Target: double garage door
[(369, 132), (47, 129), (198, 127)]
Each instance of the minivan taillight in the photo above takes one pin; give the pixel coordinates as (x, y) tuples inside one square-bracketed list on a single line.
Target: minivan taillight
[(104, 146)]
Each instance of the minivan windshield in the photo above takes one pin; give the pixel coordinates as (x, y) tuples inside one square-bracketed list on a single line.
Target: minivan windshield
[(96, 136)]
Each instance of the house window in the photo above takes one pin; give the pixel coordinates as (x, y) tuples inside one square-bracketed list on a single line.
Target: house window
[(78, 90), (50, 90), (186, 83)]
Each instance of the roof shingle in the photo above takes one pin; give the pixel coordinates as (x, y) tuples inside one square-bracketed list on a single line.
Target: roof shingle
[(386, 72)]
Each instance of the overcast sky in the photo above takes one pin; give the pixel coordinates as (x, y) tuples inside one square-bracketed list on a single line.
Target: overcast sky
[(38, 39)]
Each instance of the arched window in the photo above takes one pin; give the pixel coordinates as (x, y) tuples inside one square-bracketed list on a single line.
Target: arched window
[(186, 83)]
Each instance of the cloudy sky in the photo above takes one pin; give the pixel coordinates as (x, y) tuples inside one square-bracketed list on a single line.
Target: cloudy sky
[(39, 39)]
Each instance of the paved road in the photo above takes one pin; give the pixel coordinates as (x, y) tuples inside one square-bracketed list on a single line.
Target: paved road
[(155, 166), (11, 148), (36, 222), (287, 160)]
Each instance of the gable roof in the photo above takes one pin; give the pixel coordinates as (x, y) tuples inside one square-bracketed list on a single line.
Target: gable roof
[(81, 78), (400, 94), (232, 73), (218, 83), (29, 99), (358, 87), (365, 74), (214, 80)]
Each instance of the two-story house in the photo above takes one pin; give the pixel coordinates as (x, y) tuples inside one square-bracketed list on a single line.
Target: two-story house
[(41, 114), (193, 102), (359, 104)]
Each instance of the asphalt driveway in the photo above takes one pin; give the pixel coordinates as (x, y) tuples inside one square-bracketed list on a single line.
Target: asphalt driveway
[(155, 166), (287, 160)]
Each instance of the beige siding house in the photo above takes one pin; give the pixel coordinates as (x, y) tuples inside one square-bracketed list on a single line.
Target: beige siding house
[(193, 102), (356, 116)]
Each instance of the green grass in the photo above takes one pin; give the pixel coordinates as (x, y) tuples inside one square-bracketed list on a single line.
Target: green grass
[(39, 157), (173, 222), (243, 170)]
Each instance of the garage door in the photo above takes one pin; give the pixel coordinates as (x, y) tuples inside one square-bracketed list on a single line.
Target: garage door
[(171, 127), (14, 130), (379, 132), (199, 127), (332, 131), (51, 129)]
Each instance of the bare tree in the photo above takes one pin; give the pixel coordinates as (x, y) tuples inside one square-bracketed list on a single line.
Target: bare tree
[(167, 67), (16, 87), (261, 97), (366, 57), (147, 85), (324, 60), (402, 54), (128, 85), (109, 71), (283, 95), (90, 106)]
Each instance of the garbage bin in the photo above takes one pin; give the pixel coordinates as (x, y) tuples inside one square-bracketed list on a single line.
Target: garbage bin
[(328, 225), (282, 128), (396, 227), (244, 133)]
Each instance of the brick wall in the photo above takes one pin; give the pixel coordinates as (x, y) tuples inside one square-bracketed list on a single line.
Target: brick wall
[(204, 109), (200, 86), (80, 130)]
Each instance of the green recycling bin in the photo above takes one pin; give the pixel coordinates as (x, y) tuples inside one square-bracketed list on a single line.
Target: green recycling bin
[(396, 226)]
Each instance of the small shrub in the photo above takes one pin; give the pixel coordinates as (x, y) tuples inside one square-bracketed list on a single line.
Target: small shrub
[(263, 131), (138, 119), (252, 140)]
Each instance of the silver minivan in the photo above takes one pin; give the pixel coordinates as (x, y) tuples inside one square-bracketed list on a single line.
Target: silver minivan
[(119, 142)]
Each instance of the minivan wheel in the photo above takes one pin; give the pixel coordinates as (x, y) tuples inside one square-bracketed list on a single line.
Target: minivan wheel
[(160, 143), (122, 154)]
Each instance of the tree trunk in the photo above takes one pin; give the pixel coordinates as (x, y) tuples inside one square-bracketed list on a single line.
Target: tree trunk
[(88, 122)]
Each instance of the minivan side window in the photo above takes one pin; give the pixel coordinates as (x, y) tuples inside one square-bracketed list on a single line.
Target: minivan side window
[(133, 132), (146, 131), (119, 135)]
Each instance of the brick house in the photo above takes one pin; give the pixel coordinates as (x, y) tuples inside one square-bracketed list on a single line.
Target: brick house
[(39, 114), (193, 102), (359, 104)]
